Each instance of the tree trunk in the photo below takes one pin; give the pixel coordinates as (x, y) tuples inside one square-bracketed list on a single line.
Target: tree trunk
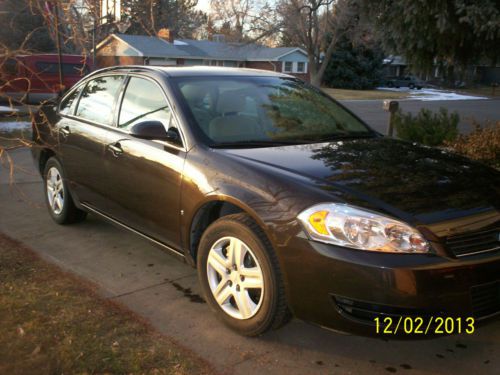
[(316, 80), (314, 74)]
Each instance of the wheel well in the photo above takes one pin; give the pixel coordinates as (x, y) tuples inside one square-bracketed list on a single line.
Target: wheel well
[(205, 216), (45, 155)]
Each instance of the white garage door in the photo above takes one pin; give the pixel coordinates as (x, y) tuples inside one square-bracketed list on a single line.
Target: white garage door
[(162, 62)]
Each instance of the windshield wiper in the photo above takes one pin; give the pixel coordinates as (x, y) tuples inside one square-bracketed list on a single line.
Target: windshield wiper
[(257, 143)]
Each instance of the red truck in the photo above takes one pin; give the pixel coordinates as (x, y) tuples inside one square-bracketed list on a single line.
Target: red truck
[(34, 78)]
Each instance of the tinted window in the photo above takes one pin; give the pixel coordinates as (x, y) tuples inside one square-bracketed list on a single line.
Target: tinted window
[(68, 69), (69, 103), (10, 66), (143, 100), (96, 103)]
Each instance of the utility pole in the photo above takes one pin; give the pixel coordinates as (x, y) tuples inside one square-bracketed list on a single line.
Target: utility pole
[(58, 46), (94, 31)]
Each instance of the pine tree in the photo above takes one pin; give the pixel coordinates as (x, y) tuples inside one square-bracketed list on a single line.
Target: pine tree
[(149, 16)]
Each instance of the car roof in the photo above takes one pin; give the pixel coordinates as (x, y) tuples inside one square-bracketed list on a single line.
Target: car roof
[(194, 71)]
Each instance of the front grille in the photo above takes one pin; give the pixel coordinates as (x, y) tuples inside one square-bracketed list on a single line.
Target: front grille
[(485, 300), (481, 241)]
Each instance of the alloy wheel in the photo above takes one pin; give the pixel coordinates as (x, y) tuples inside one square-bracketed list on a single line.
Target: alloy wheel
[(55, 190), (235, 278)]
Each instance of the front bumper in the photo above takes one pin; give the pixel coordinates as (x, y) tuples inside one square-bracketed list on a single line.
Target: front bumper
[(345, 289)]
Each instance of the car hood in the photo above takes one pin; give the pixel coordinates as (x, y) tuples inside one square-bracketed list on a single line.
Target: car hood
[(415, 183)]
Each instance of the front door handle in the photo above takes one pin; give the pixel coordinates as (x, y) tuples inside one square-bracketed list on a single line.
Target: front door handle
[(64, 131), (116, 149)]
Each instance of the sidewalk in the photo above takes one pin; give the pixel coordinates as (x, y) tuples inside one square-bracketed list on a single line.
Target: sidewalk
[(165, 291)]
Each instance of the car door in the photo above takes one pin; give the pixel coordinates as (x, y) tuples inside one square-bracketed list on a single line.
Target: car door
[(146, 174), (84, 133)]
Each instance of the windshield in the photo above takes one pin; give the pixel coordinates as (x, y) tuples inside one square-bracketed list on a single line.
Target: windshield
[(268, 110)]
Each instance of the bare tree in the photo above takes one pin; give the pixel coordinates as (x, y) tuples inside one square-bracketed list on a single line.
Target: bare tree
[(149, 16), (53, 26), (316, 26), (244, 20)]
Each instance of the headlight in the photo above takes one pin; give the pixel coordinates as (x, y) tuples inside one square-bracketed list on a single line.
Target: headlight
[(348, 226)]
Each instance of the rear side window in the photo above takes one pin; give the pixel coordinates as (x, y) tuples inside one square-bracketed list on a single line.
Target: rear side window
[(10, 67), (69, 103), (97, 100), (143, 100)]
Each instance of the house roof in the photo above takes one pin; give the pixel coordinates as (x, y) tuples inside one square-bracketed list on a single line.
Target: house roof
[(232, 51), (152, 46)]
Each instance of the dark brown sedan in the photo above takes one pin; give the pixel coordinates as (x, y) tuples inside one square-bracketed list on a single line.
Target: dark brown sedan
[(285, 201)]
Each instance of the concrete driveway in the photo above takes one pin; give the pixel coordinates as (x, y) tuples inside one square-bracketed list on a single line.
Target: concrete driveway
[(165, 291)]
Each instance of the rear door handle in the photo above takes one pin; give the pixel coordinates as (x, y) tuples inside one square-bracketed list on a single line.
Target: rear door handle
[(65, 131), (116, 149)]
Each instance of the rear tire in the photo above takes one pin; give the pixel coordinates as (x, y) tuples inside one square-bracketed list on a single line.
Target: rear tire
[(61, 207), (251, 280)]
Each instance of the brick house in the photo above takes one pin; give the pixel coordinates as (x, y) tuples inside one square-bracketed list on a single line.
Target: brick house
[(162, 50)]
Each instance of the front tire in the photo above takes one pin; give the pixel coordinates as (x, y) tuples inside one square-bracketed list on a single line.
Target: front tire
[(240, 276), (61, 207)]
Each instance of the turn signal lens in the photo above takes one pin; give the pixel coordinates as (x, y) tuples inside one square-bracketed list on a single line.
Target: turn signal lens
[(317, 221)]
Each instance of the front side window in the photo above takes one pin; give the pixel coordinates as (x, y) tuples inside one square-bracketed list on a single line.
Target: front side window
[(266, 109), (143, 101), (98, 98)]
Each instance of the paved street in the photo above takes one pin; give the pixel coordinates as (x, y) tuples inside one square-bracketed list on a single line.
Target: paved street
[(165, 291), (371, 110)]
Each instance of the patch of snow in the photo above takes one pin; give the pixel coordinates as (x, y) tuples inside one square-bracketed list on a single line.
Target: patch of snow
[(14, 125), (428, 94), (4, 108), (434, 94)]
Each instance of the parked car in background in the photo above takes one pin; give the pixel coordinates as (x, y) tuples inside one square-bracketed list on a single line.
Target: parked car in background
[(408, 81), (34, 78), (285, 201)]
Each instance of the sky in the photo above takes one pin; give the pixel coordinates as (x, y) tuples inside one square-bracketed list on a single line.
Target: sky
[(203, 5)]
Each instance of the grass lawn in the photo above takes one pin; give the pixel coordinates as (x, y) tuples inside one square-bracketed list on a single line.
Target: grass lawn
[(341, 94), (481, 91), (52, 322)]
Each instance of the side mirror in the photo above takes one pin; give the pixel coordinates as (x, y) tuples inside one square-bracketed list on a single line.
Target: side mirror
[(154, 130)]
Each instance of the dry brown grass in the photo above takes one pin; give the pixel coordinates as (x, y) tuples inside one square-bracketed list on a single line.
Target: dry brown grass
[(482, 91), (342, 94), (54, 323)]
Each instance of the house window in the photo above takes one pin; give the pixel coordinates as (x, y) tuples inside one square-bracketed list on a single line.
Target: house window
[(288, 66), (301, 67)]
